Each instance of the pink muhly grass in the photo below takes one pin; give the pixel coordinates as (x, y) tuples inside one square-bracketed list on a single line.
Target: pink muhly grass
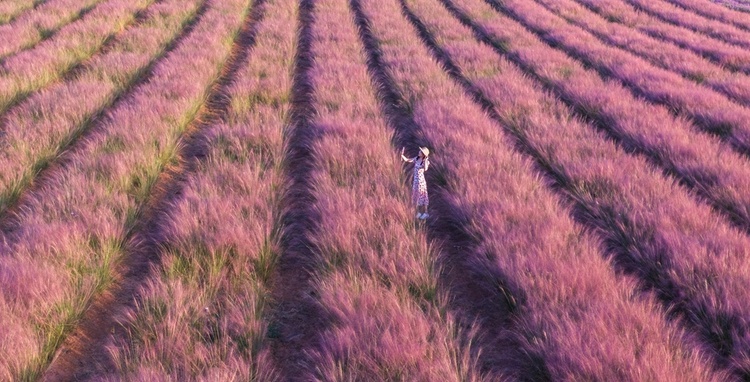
[(36, 132), (665, 55), (32, 69), (737, 5), (39, 23), (571, 298), (378, 279), (10, 10), (717, 12), (733, 57), (679, 16), (223, 245), (188, 333), (712, 111), (78, 222), (716, 174), (681, 251)]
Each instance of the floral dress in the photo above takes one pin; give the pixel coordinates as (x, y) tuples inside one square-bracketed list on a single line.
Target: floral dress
[(419, 187)]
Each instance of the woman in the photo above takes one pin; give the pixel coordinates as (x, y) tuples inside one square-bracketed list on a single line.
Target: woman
[(419, 186)]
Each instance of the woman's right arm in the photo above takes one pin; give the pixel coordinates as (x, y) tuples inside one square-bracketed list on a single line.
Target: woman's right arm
[(404, 158)]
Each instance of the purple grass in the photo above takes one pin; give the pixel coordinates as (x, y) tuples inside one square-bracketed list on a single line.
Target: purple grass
[(10, 10), (701, 162), (376, 264), (211, 190), (296, 317), (83, 351), (521, 223), (738, 5), (70, 231), (216, 270), (710, 110), (38, 131), (717, 12), (665, 55), (36, 25), (651, 228), (733, 57), (32, 69), (689, 20)]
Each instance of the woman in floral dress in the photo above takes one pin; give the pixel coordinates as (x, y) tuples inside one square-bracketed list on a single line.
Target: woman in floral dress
[(419, 187)]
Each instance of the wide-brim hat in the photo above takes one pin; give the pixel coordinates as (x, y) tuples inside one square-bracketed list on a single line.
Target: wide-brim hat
[(425, 151)]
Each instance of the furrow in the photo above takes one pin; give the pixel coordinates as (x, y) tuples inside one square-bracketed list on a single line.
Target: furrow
[(716, 12), (10, 11), (713, 112), (49, 34), (83, 351), (35, 146), (31, 70), (643, 219), (735, 5), (730, 56), (736, 86), (223, 240), (71, 235), (543, 304), (674, 15), (374, 261), (39, 25), (296, 317), (466, 276), (716, 175)]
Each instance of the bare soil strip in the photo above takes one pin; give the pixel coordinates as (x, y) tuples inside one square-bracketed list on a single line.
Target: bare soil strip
[(479, 294), (82, 354), (10, 216)]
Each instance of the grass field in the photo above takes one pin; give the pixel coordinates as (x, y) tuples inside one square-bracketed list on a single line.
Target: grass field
[(212, 190)]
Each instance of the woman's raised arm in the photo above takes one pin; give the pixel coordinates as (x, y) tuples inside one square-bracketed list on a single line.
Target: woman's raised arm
[(404, 158)]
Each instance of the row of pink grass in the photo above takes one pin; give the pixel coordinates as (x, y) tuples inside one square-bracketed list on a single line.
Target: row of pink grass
[(352, 349), (660, 53), (717, 12), (572, 297), (378, 281), (31, 27), (710, 110), (738, 5), (77, 225), (705, 256), (731, 56), (41, 128), (30, 70), (211, 290), (692, 21), (10, 10), (719, 175)]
